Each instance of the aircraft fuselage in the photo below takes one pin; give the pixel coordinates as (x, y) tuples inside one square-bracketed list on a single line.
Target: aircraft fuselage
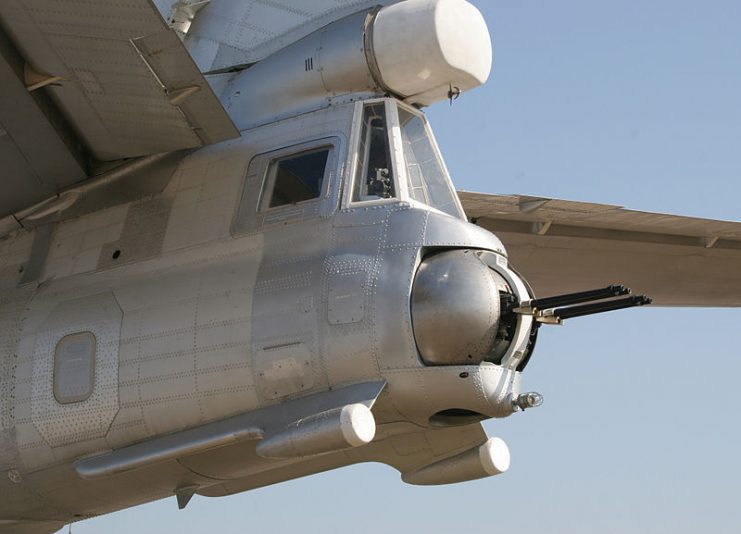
[(204, 302)]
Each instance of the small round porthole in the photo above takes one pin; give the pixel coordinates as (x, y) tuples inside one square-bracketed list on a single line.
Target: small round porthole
[(116, 254)]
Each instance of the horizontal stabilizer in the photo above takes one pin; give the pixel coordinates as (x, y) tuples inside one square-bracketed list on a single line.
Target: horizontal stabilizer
[(86, 81), (561, 246), (116, 71), (10, 526)]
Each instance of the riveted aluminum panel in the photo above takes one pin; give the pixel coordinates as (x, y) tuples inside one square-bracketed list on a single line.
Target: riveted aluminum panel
[(142, 235), (11, 313), (283, 370), (250, 217), (346, 297), (60, 424), (230, 32)]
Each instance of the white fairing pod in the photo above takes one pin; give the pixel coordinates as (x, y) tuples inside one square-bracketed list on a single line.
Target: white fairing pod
[(491, 458), (341, 428), (416, 49), (423, 47)]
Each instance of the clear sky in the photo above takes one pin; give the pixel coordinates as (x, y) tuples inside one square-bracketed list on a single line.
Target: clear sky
[(629, 103)]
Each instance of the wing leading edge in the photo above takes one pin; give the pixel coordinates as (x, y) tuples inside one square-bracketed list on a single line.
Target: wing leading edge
[(562, 246)]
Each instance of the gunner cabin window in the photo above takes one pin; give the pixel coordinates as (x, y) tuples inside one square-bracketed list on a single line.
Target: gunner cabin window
[(374, 178), (295, 178), (427, 179)]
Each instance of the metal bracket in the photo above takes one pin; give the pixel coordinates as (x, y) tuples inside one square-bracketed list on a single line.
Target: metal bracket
[(178, 95), (184, 494), (36, 80), (183, 14)]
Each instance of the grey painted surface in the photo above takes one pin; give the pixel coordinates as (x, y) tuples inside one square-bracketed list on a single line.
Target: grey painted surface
[(199, 319), (233, 32), (218, 322)]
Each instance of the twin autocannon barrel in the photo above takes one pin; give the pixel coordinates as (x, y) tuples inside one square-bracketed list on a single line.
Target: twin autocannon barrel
[(553, 310)]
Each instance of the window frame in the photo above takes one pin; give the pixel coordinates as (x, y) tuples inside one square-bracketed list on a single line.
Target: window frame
[(248, 217), (395, 150), (71, 399), (266, 189), (438, 154)]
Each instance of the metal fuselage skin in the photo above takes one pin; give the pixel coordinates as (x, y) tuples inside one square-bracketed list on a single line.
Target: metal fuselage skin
[(204, 307)]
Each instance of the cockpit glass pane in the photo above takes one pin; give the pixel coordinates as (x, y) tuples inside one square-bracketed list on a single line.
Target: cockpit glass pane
[(374, 177), (426, 177), (295, 178)]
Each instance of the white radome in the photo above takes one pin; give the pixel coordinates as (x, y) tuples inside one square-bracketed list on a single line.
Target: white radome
[(357, 424), (445, 43), (494, 455)]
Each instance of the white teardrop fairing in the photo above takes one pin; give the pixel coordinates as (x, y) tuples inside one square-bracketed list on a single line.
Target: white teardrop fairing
[(489, 459), (417, 50), (422, 48)]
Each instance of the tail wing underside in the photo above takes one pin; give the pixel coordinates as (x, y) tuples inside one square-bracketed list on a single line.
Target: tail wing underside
[(87, 82), (563, 246)]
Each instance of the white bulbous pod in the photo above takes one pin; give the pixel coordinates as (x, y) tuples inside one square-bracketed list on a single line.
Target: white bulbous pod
[(418, 50), (340, 428), (491, 458), (423, 48)]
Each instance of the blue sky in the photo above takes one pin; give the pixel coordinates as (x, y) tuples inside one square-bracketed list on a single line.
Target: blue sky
[(629, 103)]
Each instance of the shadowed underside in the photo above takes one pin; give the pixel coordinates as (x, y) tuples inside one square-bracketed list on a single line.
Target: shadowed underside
[(561, 246)]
